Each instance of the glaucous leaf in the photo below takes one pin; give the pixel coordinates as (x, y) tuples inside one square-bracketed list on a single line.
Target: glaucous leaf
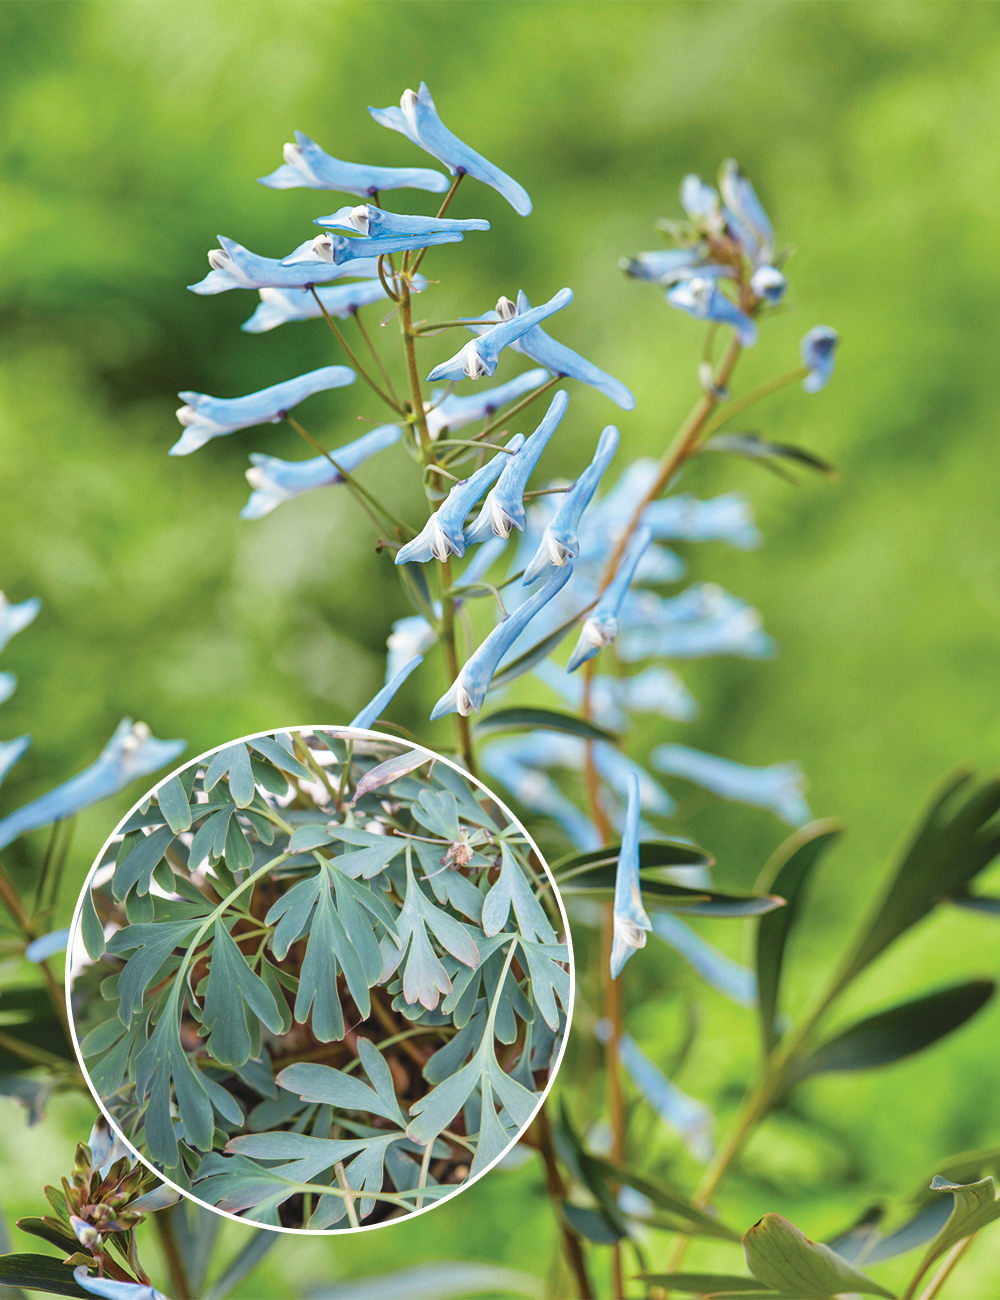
[(232, 990), (523, 718), (782, 1257)]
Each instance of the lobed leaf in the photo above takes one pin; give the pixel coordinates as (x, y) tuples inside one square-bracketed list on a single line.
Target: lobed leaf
[(232, 990)]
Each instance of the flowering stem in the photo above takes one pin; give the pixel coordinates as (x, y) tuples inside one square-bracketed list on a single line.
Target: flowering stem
[(451, 658), (364, 498), (352, 357), (754, 395), (378, 360), (441, 211), (557, 1193)]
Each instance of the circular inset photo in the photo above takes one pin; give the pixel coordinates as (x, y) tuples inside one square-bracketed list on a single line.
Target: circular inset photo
[(320, 979)]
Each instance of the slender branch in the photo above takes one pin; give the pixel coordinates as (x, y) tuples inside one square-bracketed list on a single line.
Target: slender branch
[(179, 1281), (451, 659), (352, 356), (441, 211), (425, 1165), (754, 395), (362, 495), (352, 1213), (519, 406), (378, 360), (952, 1258), (572, 1245)]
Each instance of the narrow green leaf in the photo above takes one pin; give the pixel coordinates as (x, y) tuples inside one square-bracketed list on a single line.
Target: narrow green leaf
[(531, 719), (667, 1197), (782, 1257), (599, 880), (40, 1273), (787, 874), (703, 1283), (90, 928), (174, 805), (243, 1263), (63, 1240), (275, 752), (975, 1206), (592, 1225), (652, 853), (751, 446), (897, 1033)]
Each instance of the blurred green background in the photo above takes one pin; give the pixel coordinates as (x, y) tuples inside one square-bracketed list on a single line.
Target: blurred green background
[(132, 134)]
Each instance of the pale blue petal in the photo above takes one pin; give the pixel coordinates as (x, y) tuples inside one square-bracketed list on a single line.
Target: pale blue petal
[(559, 543), (658, 690), (702, 298), (661, 265), (307, 165), (537, 791), (15, 618), (417, 118), (235, 267), (737, 982), (409, 637), (691, 1119), (8, 684), (130, 753), (346, 250), (699, 200), (768, 283), (742, 201), (277, 306), (368, 716), (563, 361), (703, 621), (274, 481), (455, 411), (482, 562), (480, 356), (601, 627), (443, 533), (10, 753), (47, 945), (778, 788), (205, 418), (819, 353), (108, 1288), (630, 920), (377, 224), (725, 518)]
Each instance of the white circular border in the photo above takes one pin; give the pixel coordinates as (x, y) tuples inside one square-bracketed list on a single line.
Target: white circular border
[(75, 938)]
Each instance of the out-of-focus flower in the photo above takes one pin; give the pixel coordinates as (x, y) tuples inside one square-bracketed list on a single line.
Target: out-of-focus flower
[(691, 1119), (778, 788), (47, 945), (409, 637), (15, 618), (819, 352), (601, 627), (559, 543), (205, 418), (630, 920), (10, 753), (701, 297), (556, 357), (130, 753), (235, 267), (417, 118), (737, 982), (467, 692), (308, 166), (369, 715), (453, 411), (745, 212), (110, 1289), (503, 508), (701, 203), (277, 306), (702, 622), (274, 481), (537, 791), (725, 518), (662, 265), (443, 534), (480, 356)]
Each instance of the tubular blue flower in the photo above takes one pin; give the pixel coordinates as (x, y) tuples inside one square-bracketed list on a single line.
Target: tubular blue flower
[(503, 509), (662, 265), (703, 621), (308, 166), (47, 945), (376, 224), (559, 359), (280, 305), (725, 518), (8, 685), (480, 356), (560, 543), (819, 352), (537, 791), (442, 535), (691, 1119), (130, 753), (630, 920), (658, 690), (342, 250), (10, 753), (368, 716), (702, 298), (15, 618), (752, 222), (417, 118), (205, 418), (109, 1289), (768, 283), (409, 637), (467, 692), (601, 628), (701, 202), (737, 982), (274, 481), (778, 788), (452, 411), (235, 267)]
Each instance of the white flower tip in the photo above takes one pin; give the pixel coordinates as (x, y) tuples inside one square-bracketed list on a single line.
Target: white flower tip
[(292, 154), (323, 247), (506, 309), (359, 218), (187, 416), (474, 366), (408, 100), (219, 259)]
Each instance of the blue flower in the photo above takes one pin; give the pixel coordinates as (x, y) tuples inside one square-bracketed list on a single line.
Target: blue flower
[(768, 283), (307, 165), (819, 353), (47, 945), (503, 509), (205, 418), (275, 481), (778, 788), (235, 267), (701, 202), (106, 1147), (703, 621), (702, 298), (537, 791), (280, 305), (10, 753), (109, 1289), (130, 753), (15, 618), (480, 356), (725, 518), (630, 920), (375, 223), (467, 692), (452, 411), (417, 119), (560, 543), (369, 715), (692, 1119), (558, 358), (409, 637), (8, 685), (442, 535), (746, 213), (662, 265), (601, 627)]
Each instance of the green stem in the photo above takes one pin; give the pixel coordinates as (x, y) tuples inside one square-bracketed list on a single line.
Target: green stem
[(951, 1260), (179, 1282), (754, 395), (367, 500), (352, 1214), (352, 357), (441, 211), (519, 406), (425, 1165), (377, 358)]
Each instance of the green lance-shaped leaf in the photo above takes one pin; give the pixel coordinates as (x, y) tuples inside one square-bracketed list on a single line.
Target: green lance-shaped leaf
[(232, 990), (897, 1033), (695, 1220), (956, 840), (173, 801), (233, 761), (321, 1083), (243, 1262), (40, 1273), (782, 1257), (136, 868), (512, 889), (787, 875), (751, 446), (975, 1207), (91, 929), (530, 719), (578, 876), (275, 752), (707, 1284)]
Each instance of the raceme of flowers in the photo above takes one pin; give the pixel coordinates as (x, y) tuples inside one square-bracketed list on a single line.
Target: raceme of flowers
[(306, 949)]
